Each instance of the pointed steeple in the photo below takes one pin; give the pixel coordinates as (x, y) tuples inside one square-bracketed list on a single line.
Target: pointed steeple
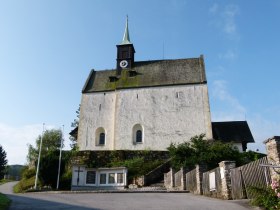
[(126, 39), (125, 52)]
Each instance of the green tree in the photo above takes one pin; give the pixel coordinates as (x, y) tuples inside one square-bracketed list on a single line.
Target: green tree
[(49, 168), (50, 142), (3, 162), (75, 125), (202, 151)]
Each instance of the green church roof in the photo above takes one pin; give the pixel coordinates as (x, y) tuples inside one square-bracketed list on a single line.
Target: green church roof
[(148, 74)]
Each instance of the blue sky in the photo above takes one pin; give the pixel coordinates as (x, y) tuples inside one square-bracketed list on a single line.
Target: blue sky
[(48, 47)]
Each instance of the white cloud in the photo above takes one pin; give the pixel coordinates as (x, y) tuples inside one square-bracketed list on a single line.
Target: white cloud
[(231, 109), (225, 19), (231, 106), (229, 55), (214, 8), (14, 140), (262, 129), (229, 15)]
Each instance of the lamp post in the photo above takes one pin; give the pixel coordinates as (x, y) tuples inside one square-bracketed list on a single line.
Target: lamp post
[(38, 164), (59, 163)]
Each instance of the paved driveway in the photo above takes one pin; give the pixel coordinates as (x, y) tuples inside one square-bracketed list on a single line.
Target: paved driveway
[(117, 201)]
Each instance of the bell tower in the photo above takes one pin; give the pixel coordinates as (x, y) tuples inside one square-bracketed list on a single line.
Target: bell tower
[(125, 51)]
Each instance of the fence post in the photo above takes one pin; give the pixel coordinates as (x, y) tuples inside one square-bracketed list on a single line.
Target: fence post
[(183, 178), (200, 169), (225, 167), (273, 154), (172, 183)]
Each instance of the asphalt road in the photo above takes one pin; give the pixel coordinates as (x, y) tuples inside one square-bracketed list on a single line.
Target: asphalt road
[(117, 201)]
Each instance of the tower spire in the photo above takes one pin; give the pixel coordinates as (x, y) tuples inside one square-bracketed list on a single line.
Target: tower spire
[(126, 39)]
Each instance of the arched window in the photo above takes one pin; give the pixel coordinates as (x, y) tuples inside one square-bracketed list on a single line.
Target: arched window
[(100, 137), (137, 134)]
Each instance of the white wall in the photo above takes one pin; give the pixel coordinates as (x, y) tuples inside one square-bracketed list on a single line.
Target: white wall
[(167, 114)]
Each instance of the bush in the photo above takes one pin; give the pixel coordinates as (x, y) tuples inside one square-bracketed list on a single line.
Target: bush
[(137, 166), (65, 181), (269, 197), (201, 151), (25, 185), (28, 173)]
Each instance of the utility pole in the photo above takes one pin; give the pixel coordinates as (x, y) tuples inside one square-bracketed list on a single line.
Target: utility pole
[(59, 163), (38, 164)]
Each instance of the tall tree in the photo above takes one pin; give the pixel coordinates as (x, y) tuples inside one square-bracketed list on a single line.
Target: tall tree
[(75, 125), (50, 142), (3, 162)]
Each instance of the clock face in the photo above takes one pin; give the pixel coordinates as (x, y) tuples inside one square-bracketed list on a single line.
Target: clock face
[(123, 64)]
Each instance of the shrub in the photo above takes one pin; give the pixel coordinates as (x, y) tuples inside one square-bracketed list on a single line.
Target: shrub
[(28, 173), (25, 185), (201, 151), (269, 197), (137, 166)]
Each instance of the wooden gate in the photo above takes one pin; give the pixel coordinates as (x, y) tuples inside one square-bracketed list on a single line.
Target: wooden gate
[(249, 175)]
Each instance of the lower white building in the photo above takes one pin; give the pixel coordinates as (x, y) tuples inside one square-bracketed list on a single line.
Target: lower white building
[(84, 178)]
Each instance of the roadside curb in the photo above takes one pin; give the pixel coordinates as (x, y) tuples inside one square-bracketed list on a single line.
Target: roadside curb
[(113, 191)]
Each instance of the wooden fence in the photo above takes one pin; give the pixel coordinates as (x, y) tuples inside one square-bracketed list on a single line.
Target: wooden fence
[(249, 175), (212, 183), (191, 181)]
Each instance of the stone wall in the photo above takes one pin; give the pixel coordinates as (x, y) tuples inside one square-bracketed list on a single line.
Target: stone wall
[(273, 154), (225, 167), (169, 179)]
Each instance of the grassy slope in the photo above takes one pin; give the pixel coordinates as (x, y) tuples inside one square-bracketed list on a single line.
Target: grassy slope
[(4, 202)]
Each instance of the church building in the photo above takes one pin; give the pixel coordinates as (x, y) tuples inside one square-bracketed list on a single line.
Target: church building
[(144, 104), (149, 104)]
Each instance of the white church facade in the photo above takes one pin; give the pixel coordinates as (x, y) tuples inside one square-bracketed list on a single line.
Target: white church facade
[(144, 105)]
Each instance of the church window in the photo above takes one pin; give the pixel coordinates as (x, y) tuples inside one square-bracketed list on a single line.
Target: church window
[(102, 179), (101, 138), (91, 177), (119, 178), (138, 136), (111, 178)]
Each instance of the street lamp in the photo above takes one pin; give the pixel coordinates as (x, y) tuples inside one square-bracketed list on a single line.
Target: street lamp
[(59, 163), (38, 164)]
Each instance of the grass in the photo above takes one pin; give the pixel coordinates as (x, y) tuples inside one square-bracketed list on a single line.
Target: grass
[(4, 202), (24, 185), (3, 181)]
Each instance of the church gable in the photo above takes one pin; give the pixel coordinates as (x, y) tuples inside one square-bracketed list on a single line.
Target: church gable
[(149, 74)]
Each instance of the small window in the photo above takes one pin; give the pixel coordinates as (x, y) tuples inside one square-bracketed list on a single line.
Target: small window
[(102, 179), (112, 178), (91, 176), (101, 138), (138, 136), (120, 178)]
